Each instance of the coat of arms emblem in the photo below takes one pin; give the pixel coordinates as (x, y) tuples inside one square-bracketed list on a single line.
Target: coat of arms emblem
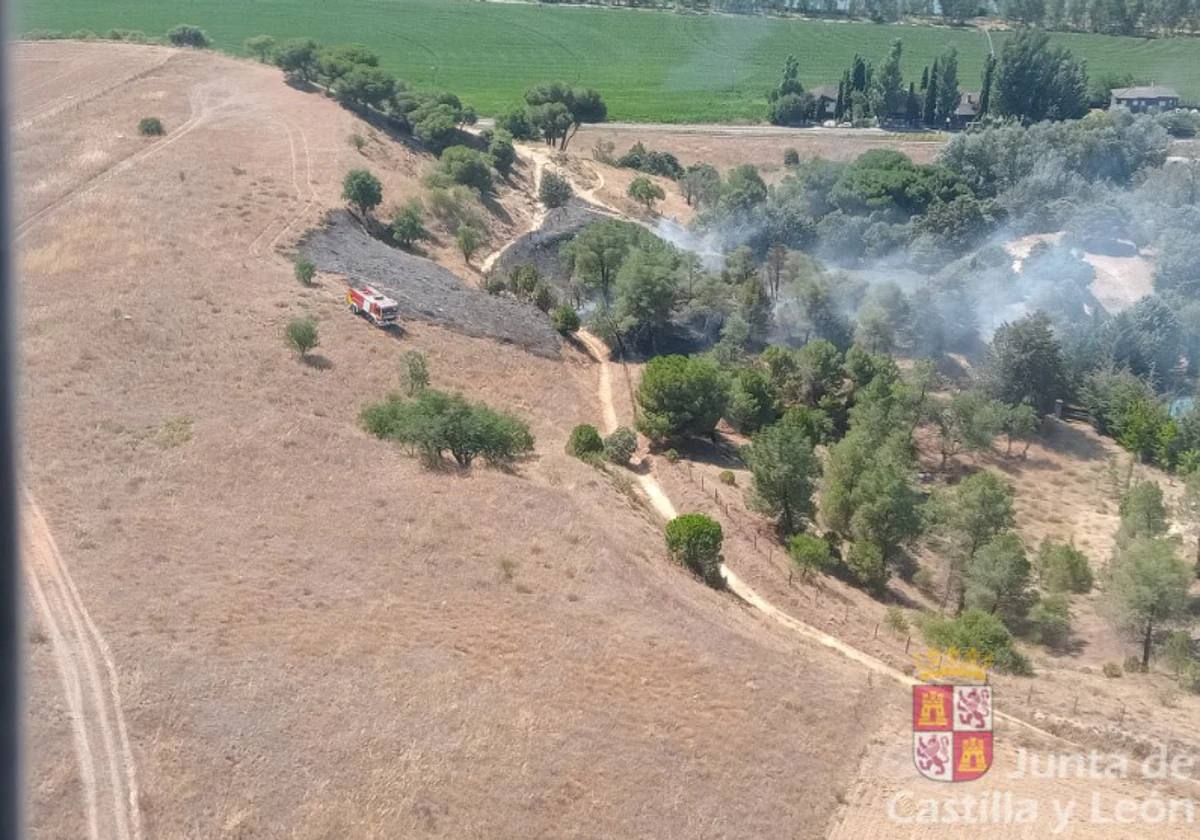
[(952, 731)]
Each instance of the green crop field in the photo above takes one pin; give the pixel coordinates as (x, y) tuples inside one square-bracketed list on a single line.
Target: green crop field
[(650, 66)]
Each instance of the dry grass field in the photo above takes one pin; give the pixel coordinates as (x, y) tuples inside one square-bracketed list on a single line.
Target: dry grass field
[(313, 637), (249, 619), (727, 146)]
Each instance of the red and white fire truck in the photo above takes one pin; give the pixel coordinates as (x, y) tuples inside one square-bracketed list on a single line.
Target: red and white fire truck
[(372, 304)]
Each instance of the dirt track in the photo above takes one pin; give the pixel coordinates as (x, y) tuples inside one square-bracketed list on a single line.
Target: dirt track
[(89, 681)]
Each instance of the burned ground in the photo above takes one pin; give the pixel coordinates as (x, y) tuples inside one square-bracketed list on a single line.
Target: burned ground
[(541, 248), (423, 288)]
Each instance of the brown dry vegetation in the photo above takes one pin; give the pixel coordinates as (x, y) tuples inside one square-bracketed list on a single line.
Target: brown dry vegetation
[(314, 637), (727, 147)]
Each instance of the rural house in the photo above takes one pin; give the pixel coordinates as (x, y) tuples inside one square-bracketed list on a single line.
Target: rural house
[(967, 111), (1145, 97), (825, 97)]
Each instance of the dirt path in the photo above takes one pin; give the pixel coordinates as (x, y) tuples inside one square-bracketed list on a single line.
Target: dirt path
[(198, 102), (89, 678), (539, 212), (662, 504)]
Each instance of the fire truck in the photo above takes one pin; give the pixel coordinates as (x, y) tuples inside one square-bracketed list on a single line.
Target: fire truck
[(372, 304)]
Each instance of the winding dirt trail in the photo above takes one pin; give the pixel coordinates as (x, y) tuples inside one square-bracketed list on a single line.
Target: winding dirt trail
[(662, 504), (88, 673)]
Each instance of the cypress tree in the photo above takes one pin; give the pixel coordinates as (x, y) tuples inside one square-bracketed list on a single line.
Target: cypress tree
[(931, 96), (985, 94)]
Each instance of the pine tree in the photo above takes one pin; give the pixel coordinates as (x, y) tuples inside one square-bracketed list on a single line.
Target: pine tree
[(925, 78)]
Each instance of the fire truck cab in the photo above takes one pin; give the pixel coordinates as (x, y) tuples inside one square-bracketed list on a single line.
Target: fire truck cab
[(369, 302)]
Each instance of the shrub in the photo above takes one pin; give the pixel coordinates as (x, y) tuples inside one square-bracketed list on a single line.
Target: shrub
[(695, 541), (301, 335), (809, 553), (620, 445), (672, 456), (305, 271), (896, 621), (977, 633), (1177, 651), (1133, 665), (184, 35), (408, 227), (554, 190), (1112, 670), (357, 141), (469, 238), (727, 477), (151, 127), (565, 319), (791, 157), (502, 153), (260, 46), (1050, 620), (434, 423), (416, 372), (645, 192), (466, 166), (1189, 680), (1063, 568), (363, 190), (584, 440)]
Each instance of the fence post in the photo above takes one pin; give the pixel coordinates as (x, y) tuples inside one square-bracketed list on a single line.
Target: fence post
[(876, 630), (907, 642)]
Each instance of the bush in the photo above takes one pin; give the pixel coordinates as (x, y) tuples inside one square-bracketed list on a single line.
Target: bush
[(464, 165), (896, 621), (469, 239), (672, 456), (415, 373), (301, 335), (980, 634), (620, 445), (188, 36), (645, 192), (305, 271), (408, 227), (1189, 680), (565, 319), (1112, 670), (695, 541), (1178, 651), (791, 157), (727, 477), (1050, 620), (1063, 568), (809, 553), (362, 189), (260, 46), (502, 153), (434, 423), (151, 127), (1133, 665), (554, 190), (584, 440)]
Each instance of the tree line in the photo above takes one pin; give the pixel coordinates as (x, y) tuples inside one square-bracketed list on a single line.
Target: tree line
[(1032, 80)]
